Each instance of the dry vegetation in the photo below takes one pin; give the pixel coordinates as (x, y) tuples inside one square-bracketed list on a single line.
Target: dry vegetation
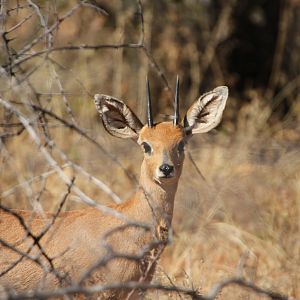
[(237, 210)]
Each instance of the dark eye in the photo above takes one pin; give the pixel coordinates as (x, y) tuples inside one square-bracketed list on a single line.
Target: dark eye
[(147, 148), (180, 147)]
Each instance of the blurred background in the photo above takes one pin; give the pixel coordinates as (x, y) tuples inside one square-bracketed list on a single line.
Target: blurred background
[(237, 209)]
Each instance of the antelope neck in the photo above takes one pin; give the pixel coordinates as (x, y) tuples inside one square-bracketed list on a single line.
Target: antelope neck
[(156, 201)]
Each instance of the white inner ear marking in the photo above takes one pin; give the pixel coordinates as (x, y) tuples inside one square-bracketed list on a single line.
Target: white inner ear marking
[(206, 113), (105, 109), (117, 117)]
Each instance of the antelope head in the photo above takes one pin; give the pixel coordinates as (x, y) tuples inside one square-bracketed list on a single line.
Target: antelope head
[(162, 143)]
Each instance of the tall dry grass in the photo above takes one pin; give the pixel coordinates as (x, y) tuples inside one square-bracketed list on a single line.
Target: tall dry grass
[(242, 219)]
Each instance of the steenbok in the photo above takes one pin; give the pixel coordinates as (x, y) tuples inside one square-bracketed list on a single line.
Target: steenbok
[(87, 247)]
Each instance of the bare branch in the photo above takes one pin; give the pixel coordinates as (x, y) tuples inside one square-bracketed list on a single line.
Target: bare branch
[(18, 25), (55, 166), (194, 294), (94, 5)]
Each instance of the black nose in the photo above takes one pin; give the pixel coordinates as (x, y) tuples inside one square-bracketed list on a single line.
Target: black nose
[(166, 169)]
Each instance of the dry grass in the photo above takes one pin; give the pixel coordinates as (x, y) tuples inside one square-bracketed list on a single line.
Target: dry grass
[(244, 219)]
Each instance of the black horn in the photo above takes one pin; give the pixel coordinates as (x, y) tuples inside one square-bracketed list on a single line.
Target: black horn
[(176, 114), (149, 106)]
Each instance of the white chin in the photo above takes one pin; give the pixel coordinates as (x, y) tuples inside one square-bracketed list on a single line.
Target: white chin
[(159, 177), (162, 176)]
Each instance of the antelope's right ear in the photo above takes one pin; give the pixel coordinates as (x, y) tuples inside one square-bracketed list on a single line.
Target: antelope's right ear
[(118, 119)]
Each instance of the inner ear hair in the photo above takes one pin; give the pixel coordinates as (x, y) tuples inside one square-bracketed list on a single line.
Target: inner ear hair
[(206, 113), (118, 119)]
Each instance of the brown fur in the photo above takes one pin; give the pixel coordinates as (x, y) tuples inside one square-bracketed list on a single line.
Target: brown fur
[(74, 239)]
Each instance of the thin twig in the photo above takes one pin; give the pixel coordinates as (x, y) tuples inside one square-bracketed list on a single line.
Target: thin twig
[(194, 294), (51, 161)]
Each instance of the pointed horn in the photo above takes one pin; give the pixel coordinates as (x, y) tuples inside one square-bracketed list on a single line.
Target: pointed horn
[(176, 115), (149, 107)]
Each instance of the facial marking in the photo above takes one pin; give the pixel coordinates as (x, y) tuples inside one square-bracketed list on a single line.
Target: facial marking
[(166, 159)]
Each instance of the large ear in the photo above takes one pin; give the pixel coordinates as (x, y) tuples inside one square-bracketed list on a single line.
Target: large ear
[(206, 113), (118, 119)]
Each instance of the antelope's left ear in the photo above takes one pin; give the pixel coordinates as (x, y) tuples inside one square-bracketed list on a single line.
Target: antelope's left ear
[(206, 113)]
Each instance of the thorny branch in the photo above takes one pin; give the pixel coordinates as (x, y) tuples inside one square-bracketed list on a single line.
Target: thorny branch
[(52, 162), (193, 294), (79, 288), (21, 57), (12, 68), (35, 238)]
